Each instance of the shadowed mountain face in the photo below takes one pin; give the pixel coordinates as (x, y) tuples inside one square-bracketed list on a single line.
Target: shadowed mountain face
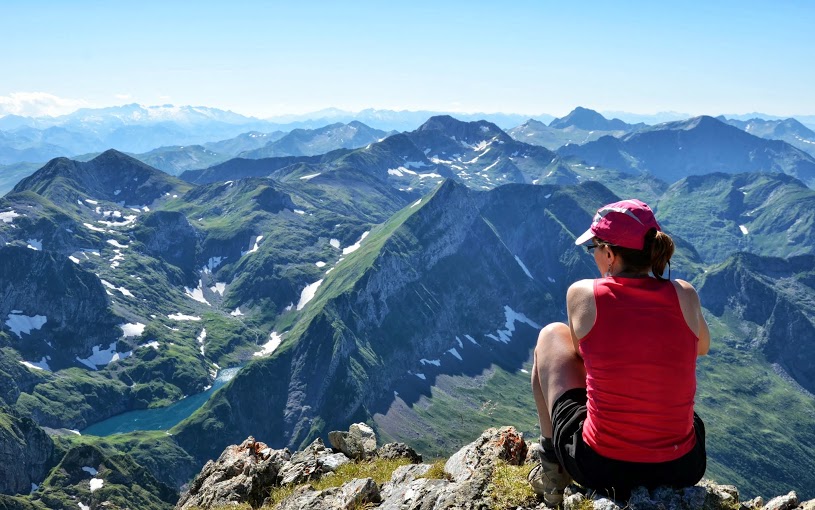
[(697, 146), (777, 296)]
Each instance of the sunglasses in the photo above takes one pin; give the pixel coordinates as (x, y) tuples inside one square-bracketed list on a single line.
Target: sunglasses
[(591, 247)]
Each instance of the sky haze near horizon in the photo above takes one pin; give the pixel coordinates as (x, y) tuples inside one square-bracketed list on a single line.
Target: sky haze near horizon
[(273, 58)]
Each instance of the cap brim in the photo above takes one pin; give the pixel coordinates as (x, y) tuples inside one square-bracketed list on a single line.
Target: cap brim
[(587, 235)]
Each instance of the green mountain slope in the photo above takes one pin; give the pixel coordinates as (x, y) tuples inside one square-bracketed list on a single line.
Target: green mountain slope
[(720, 214)]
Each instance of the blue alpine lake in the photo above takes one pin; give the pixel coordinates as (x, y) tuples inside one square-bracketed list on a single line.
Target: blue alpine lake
[(161, 418)]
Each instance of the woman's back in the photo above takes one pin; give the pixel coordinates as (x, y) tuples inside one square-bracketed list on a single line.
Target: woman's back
[(640, 358)]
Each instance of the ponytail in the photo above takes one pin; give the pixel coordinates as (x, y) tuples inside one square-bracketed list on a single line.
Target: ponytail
[(662, 249), (654, 256)]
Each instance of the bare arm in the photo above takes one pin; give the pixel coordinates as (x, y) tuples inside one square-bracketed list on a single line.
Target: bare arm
[(581, 309), (692, 311)]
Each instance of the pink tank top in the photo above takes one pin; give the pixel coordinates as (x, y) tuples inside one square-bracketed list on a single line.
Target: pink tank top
[(640, 359)]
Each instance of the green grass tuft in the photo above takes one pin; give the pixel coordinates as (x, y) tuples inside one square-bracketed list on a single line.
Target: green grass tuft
[(509, 487)]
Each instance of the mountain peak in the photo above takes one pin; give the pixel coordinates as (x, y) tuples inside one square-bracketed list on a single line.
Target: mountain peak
[(467, 132), (589, 120)]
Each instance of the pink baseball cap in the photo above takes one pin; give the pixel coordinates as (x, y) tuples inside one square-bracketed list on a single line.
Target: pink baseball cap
[(622, 223)]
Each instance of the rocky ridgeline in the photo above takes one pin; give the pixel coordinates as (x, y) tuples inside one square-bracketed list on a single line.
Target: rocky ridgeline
[(246, 473)]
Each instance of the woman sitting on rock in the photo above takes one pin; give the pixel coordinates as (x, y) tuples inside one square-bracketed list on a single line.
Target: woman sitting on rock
[(615, 386)]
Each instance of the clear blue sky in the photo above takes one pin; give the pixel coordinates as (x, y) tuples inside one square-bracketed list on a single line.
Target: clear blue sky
[(531, 57)]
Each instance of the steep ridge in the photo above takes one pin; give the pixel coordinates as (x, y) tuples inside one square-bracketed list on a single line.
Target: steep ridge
[(111, 176), (779, 296), (701, 145), (448, 259), (720, 214)]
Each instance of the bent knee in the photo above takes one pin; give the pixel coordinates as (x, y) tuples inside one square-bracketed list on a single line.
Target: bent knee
[(554, 332)]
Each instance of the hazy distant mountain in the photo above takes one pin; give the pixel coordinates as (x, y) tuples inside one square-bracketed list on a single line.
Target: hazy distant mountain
[(697, 146), (788, 130), (580, 126), (403, 120), (311, 142), (590, 120)]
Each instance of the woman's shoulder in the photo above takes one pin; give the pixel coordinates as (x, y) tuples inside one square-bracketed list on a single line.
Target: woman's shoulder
[(581, 288), (688, 298)]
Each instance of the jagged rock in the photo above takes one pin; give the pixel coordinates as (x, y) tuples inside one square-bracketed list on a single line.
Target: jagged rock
[(418, 494), (404, 475), (242, 474), (786, 502), (358, 443), (399, 451), (504, 443), (757, 502), (354, 494), (24, 452), (311, 463)]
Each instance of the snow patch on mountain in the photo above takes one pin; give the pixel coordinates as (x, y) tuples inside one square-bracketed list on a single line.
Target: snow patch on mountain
[(132, 329), (103, 356), (197, 293), (8, 216), (38, 365), (123, 290), (308, 294), (270, 346), (354, 247), (181, 317), (19, 323), (253, 249), (201, 337), (523, 266), (505, 335)]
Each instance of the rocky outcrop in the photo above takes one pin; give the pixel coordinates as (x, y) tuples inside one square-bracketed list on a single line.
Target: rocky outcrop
[(25, 450), (168, 235), (52, 306), (248, 473)]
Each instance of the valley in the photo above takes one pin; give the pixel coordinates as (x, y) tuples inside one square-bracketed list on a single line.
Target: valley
[(398, 279)]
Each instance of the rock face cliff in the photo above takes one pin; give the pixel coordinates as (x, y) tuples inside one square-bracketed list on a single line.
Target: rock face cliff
[(51, 308), (488, 473), (25, 450), (777, 295)]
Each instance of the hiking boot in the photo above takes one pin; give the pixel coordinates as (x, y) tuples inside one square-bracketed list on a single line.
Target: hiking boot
[(547, 478)]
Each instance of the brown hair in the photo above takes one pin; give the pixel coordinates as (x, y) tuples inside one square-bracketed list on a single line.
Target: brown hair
[(654, 256)]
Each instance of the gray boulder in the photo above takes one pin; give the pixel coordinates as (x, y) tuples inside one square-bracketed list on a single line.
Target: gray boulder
[(355, 494), (358, 443)]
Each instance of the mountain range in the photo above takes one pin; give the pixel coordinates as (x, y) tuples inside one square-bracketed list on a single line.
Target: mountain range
[(401, 283)]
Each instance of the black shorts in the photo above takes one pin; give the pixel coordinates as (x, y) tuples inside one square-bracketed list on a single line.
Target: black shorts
[(616, 477)]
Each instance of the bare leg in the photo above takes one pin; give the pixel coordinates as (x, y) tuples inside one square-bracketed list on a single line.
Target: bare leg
[(556, 369)]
